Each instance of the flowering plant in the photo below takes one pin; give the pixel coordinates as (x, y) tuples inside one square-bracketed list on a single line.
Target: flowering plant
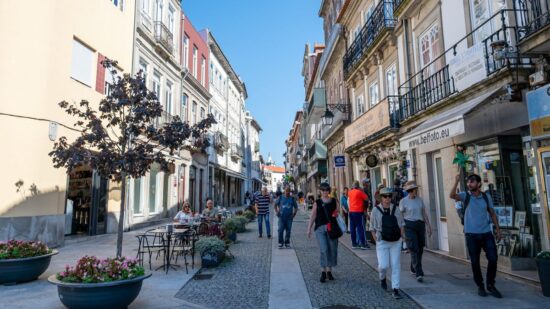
[(18, 249), (90, 269)]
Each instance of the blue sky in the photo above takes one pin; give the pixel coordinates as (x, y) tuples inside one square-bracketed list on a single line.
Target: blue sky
[(264, 41)]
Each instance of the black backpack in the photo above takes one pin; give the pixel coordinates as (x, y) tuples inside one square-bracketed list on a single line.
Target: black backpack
[(390, 228), (462, 211)]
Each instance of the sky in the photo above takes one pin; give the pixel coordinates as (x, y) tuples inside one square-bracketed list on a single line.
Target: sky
[(265, 42)]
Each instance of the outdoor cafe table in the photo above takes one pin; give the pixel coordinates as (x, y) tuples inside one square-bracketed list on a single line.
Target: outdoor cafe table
[(163, 231)]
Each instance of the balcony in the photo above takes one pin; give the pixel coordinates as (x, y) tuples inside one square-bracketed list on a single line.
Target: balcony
[(316, 106), (221, 143), (164, 118), (302, 168), (257, 147), (532, 15), (317, 168), (399, 5), (164, 37), (236, 151), (317, 151), (379, 119), (381, 21)]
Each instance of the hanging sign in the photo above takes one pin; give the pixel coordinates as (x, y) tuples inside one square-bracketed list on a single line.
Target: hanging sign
[(339, 161)]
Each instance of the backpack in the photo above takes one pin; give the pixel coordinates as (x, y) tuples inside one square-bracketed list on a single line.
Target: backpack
[(390, 228), (462, 211)]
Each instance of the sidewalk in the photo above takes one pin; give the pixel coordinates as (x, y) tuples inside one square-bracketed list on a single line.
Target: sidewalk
[(449, 284), (157, 292)]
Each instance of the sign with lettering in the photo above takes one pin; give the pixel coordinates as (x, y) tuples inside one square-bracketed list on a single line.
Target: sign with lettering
[(339, 161), (468, 67), (539, 112), (374, 120), (432, 135)]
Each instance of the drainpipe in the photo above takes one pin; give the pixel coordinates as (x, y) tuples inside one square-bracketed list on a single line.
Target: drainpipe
[(407, 54)]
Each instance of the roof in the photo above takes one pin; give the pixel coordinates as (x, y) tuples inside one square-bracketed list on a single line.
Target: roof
[(275, 169)]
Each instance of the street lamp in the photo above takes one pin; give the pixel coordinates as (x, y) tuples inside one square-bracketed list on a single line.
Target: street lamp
[(298, 154), (328, 117)]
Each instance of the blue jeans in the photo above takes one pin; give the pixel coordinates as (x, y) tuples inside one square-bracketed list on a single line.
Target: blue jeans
[(357, 227), (485, 241), (261, 218), (285, 224)]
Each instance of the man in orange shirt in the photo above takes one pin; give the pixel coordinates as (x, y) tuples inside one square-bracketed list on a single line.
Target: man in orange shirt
[(356, 202)]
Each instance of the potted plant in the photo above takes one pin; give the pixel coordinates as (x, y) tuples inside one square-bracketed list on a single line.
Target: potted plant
[(212, 251), (95, 283), (250, 215), (230, 227), (242, 221), (543, 265), (22, 261)]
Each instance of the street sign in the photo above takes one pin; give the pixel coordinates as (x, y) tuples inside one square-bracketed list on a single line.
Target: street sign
[(339, 161)]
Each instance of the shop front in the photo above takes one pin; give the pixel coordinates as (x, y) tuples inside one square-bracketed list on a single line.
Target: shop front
[(485, 135)]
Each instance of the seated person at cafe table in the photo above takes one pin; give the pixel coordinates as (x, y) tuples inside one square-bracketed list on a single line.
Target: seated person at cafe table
[(210, 212), (185, 215)]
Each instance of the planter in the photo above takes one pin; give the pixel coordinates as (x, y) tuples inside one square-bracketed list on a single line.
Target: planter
[(108, 295), (543, 266), (232, 237), (212, 259), (14, 271)]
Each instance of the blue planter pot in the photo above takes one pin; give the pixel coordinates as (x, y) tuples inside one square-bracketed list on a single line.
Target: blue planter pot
[(212, 259), (232, 237), (107, 295), (14, 271)]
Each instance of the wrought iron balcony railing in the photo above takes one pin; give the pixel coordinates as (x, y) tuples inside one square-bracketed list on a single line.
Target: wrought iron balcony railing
[(165, 117), (381, 20), (532, 15), (164, 36), (236, 151)]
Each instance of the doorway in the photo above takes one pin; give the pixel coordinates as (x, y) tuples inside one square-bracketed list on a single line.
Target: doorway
[(441, 211)]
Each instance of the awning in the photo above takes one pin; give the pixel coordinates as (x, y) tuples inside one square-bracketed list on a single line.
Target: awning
[(259, 180), (442, 126), (227, 171)]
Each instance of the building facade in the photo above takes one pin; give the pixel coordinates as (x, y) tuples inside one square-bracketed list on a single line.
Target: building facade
[(62, 62), (252, 155)]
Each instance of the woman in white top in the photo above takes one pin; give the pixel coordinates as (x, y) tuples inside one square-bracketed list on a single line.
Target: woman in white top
[(416, 222), (185, 215)]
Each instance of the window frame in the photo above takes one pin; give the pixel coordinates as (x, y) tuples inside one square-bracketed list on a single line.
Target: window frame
[(374, 99)]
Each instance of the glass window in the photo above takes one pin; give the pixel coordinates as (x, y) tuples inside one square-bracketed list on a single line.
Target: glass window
[(194, 113), (184, 100), (359, 106), (186, 51), (156, 84), (81, 65), (391, 81), (429, 48), (171, 19), (374, 98), (203, 113), (168, 98), (203, 71), (195, 61), (137, 196), (143, 69), (159, 10), (153, 187)]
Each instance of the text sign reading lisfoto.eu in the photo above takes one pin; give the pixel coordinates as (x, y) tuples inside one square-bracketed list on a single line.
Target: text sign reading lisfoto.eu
[(339, 161), (468, 67)]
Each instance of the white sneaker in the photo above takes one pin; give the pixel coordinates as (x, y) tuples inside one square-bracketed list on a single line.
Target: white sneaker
[(280, 246)]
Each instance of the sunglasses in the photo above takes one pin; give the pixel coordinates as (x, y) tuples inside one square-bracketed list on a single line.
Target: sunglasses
[(325, 190), (386, 196)]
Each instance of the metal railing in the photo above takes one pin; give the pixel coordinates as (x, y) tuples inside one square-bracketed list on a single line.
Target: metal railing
[(382, 19), (425, 88), (236, 151), (393, 105), (165, 117), (164, 36), (532, 15), (398, 3)]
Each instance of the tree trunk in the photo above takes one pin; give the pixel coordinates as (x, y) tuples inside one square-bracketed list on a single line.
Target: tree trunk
[(121, 216)]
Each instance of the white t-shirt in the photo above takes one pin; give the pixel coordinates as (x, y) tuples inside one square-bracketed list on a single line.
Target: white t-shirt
[(183, 217)]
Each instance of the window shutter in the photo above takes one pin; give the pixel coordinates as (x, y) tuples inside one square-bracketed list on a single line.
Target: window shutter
[(100, 76)]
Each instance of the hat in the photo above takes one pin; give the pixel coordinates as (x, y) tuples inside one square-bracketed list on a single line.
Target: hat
[(380, 186), (386, 191), (409, 185)]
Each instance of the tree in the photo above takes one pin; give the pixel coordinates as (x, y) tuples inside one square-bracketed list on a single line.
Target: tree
[(126, 134)]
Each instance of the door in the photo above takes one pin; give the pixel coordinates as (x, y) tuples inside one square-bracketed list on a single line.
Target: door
[(440, 204), (98, 218), (545, 161)]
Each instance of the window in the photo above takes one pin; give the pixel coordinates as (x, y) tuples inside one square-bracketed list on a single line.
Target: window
[(168, 98), (156, 84), (211, 72), (159, 10), (391, 81), (145, 7), (137, 196), (184, 100), (153, 188), (359, 106), (203, 71), (185, 51), (195, 60), (143, 68), (480, 11), (429, 48), (171, 19), (203, 113), (368, 13), (194, 113), (109, 82), (81, 66), (374, 98)]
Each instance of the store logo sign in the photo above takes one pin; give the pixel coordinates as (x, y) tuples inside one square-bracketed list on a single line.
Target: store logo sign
[(339, 161)]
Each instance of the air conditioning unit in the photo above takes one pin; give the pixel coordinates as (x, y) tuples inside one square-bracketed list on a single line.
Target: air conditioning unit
[(538, 78)]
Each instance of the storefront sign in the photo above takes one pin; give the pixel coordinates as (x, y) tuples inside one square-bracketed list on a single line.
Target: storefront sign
[(374, 120), (539, 112), (339, 161), (468, 67), (432, 135)]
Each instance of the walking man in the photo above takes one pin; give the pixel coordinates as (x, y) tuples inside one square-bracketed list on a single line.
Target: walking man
[(386, 226), (285, 208), (263, 201), (477, 212), (356, 200)]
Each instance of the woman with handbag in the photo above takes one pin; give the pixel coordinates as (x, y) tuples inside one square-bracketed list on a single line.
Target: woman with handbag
[(327, 230)]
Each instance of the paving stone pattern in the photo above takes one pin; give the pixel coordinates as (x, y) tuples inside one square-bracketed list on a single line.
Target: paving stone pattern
[(356, 284), (242, 282)]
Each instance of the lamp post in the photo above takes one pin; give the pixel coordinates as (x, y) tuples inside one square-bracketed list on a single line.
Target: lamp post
[(328, 117)]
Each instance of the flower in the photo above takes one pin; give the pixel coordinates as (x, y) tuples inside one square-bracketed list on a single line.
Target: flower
[(90, 269)]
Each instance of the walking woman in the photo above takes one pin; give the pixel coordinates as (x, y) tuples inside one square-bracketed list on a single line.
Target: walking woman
[(416, 222), (321, 215)]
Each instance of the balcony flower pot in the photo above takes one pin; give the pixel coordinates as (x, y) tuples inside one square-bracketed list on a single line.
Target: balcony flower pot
[(23, 261), (107, 295), (543, 266), (94, 283)]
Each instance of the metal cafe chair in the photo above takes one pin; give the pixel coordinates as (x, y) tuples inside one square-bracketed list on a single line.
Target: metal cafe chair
[(184, 244), (150, 243)]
